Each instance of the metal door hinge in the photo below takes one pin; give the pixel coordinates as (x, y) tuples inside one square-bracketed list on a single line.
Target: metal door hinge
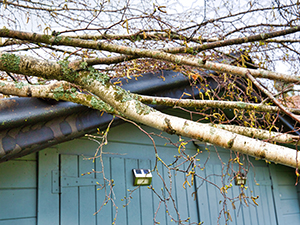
[(77, 181)]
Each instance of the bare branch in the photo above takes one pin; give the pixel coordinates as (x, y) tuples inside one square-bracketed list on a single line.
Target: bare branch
[(223, 43), (177, 59), (284, 109)]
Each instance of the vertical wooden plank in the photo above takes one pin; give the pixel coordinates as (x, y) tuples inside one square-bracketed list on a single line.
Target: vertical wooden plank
[(263, 215), (133, 210), (260, 191), (218, 181), (170, 187), (285, 195), (233, 192), (147, 213), (159, 210), (182, 195), (118, 175), (253, 217), (48, 202), (106, 214), (236, 214), (270, 204), (87, 195), (246, 211), (69, 205), (265, 211), (213, 194), (192, 203), (276, 192), (270, 196), (203, 197)]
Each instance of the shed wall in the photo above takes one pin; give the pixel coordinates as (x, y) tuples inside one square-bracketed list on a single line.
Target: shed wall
[(128, 147), (18, 190), (24, 202)]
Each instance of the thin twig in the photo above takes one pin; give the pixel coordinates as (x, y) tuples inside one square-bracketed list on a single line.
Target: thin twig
[(11, 76)]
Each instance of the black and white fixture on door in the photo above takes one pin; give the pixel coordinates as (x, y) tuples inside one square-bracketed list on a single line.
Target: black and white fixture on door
[(142, 177)]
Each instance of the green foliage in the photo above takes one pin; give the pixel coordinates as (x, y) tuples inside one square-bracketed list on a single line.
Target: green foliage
[(83, 65), (58, 93)]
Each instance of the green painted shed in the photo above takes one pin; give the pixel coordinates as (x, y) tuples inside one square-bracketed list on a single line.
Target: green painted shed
[(43, 154)]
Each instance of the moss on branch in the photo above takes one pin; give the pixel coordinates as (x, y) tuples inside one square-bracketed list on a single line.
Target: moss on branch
[(11, 62)]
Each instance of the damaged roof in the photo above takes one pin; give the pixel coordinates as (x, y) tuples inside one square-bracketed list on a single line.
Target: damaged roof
[(31, 124)]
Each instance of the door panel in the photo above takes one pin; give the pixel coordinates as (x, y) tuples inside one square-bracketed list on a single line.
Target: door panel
[(210, 199), (69, 207), (118, 175), (80, 199), (106, 214), (159, 207), (285, 192), (133, 208)]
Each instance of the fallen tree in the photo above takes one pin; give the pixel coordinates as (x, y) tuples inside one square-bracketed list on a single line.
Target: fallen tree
[(233, 55), (113, 99)]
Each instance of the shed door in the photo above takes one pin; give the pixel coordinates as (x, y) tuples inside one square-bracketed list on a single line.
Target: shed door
[(210, 199), (66, 197), (82, 196), (285, 194)]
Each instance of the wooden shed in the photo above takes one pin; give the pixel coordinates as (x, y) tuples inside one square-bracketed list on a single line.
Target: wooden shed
[(44, 154)]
